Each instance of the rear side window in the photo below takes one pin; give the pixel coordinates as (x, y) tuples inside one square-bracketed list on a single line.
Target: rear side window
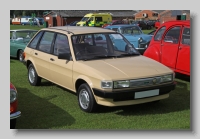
[(186, 36), (33, 44), (46, 41), (173, 35), (61, 44), (98, 19), (159, 34)]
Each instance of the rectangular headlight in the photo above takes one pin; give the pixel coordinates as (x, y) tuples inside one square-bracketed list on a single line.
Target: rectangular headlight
[(167, 78), (106, 84), (121, 84)]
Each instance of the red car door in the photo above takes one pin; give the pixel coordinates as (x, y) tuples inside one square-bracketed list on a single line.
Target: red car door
[(170, 46), (183, 59)]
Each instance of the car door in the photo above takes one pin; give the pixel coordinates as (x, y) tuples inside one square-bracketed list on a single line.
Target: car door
[(42, 55), (12, 43), (60, 69), (169, 46), (183, 59)]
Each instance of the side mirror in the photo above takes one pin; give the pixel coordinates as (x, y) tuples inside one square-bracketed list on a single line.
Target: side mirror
[(66, 56)]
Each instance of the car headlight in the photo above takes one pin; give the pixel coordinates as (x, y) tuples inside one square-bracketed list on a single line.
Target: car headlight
[(140, 39), (106, 84), (167, 78), (13, 95), (121, 84)]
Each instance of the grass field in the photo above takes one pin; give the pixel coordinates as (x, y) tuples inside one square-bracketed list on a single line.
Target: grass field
[(52, 107)]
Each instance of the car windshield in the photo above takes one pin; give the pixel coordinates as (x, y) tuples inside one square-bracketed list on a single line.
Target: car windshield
[(101, 46), (134, 30), (25, 35), (84, 18)]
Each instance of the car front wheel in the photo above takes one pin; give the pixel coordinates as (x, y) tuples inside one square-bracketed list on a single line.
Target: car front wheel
[(86, 99), (33, 77)]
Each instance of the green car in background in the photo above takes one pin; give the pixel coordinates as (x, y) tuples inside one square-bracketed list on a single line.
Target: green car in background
[(18, 40)]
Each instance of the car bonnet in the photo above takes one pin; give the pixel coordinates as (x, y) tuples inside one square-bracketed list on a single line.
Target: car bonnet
[(122, 68)]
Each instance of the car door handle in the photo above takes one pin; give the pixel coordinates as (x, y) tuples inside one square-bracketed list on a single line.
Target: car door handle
[(36, 53), (51, 59), (179, 47)]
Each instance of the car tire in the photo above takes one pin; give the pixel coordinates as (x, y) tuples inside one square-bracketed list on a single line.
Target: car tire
[(33, 77), (20, 55), (13, 123), (86, 99)]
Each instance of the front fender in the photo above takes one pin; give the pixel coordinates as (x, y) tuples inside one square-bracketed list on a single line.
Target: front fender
[(153, 52)]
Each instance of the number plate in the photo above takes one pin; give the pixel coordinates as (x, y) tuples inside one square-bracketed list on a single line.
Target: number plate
[(148, 93)]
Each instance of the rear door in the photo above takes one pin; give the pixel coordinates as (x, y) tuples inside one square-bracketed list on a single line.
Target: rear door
[(41, 54), (183, 59), (170, 46)]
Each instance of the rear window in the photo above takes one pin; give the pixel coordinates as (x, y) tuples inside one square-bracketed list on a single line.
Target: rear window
[(186, 36)]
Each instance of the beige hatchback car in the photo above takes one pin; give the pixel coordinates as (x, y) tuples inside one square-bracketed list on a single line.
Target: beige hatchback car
[(100, 65)]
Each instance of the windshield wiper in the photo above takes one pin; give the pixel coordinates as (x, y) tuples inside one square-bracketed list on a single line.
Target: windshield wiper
[(104, 56), (97, 57), (130, 54)]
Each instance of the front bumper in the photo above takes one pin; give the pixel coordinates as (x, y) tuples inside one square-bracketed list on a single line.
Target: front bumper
[(125, 95), (15, 115)]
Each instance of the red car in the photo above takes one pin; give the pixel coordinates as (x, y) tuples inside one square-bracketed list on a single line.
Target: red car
[(170, 45), (157, 24), (14, 114), (114, 22)]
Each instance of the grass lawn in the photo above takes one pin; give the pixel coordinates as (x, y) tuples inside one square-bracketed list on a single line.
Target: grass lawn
[(52, 107)]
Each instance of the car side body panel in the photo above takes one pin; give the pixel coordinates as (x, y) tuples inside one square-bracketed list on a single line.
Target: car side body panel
[(175, 55)]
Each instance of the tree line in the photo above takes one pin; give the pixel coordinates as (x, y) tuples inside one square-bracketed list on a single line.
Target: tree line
[(19, 13)]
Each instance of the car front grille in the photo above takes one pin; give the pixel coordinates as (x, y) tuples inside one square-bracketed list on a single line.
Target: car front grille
[(145, 82), (142, 45)]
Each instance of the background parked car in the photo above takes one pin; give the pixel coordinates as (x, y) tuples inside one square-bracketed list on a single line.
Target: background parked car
[(170, 45), (151, 23), (134, 35), (73, 23), (14, 114), (157, 24), (114, 22), (18, 41), (142, 24)]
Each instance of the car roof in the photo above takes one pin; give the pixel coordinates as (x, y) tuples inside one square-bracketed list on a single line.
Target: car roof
[(23, 30), (79, 30), (173, 22), (121, 25)]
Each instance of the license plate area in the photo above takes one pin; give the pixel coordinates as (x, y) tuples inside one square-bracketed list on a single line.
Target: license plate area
[(149, 93)]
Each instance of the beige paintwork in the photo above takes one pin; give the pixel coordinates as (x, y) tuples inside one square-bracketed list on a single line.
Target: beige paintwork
[(66, 73)]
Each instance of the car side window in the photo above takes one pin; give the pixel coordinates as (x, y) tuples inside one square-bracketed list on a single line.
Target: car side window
[(34, 42), (46, 41), (186, 36), (158, 35), (173, 35), (61, 44)]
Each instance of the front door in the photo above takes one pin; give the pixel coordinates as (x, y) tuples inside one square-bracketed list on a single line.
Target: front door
[(170, 46), (61, 69)]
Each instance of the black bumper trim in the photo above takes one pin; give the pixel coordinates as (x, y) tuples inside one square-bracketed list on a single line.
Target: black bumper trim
[(130, 94)]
